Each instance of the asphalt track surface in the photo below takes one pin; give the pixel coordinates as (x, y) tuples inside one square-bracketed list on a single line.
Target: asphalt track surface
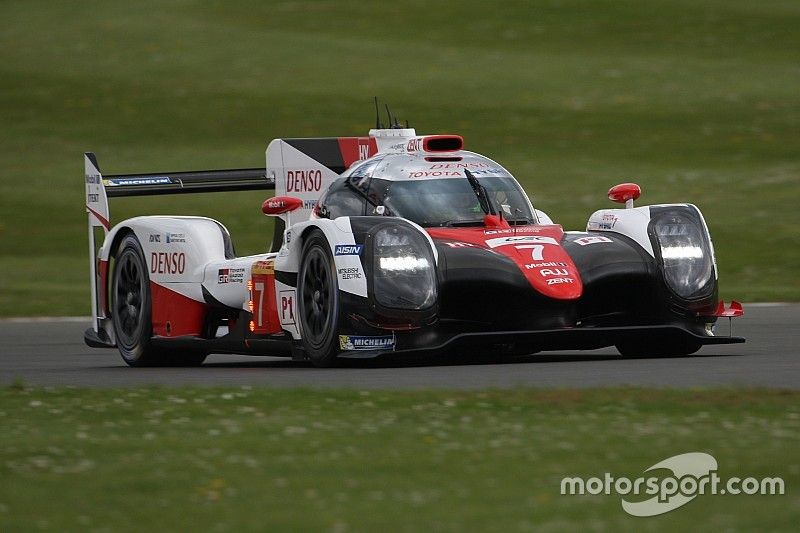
[(52, 352)]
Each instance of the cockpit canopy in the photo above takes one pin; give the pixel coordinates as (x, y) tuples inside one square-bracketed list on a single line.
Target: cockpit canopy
[(431, 191)]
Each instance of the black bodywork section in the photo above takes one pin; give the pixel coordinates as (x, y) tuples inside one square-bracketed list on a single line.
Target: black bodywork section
[(484, 301)]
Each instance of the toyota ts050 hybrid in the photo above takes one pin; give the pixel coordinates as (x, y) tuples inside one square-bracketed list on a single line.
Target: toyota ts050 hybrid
[(394, 242)]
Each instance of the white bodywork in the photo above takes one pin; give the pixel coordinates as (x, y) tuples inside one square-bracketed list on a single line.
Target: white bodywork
[(629, 222), (633, 223)]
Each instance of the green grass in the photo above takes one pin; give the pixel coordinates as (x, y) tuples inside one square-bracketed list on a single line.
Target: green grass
[(259, 459), (697, 101)]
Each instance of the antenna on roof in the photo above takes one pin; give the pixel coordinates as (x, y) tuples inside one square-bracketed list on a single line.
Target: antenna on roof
[(389, 113), (378, 124)]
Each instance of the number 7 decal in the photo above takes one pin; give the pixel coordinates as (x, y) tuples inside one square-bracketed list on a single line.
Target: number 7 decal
[(537, 250)]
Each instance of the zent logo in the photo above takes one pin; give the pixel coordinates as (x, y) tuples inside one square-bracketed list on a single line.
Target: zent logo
[(348, 249)]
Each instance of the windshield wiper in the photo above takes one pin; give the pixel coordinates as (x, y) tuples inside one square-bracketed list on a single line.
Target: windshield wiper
[(480, 192)]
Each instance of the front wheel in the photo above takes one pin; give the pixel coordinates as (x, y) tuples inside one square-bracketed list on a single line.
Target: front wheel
[(318, 299)]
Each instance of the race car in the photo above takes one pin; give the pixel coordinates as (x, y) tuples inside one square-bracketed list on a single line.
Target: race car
[(394, 243)]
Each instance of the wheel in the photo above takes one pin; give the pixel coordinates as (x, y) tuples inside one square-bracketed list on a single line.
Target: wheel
[(131, 312), (658, 348), (318, 297)]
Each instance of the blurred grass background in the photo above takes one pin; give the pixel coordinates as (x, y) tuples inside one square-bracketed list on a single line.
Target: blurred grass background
[(695, 100)]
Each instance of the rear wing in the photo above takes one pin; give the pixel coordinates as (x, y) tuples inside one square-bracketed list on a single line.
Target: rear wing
[(99, 188)]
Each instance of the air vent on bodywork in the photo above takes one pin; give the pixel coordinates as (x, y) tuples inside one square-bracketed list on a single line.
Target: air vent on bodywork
[(442, 143), (441, 159)]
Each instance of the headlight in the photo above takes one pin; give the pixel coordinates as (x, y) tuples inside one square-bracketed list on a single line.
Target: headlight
[(404, 274), (685, 252)]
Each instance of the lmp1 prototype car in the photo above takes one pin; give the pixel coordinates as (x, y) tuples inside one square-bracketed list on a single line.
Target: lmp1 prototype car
[(394, 243)]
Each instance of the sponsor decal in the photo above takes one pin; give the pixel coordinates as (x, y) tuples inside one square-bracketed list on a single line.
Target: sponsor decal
[(230, 275), (287, 307), (275, 204), (92, 198), (554, 272), (263, 267), (526, 239), (155, 237), (491, 172), (348, 249), (470, 166), (531, 266), (363, 149), (303, 180), (116, 182), (93, 179), (350, 273), (459, 244), (288, 237), (414, 145), (309, 204), (354, 342), (559, 281), (435, 174), (512, 231), (167, 263), (608, 221), (594, 239), (175, 237)]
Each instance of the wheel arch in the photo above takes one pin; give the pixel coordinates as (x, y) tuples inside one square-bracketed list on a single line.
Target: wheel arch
[(120, 232)]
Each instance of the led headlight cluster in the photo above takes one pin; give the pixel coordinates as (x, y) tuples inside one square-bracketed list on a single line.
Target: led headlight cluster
[(404, 276), (685, 252)]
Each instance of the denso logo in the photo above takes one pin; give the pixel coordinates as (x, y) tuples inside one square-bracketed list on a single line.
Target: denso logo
[(303, 180), (167, 262)]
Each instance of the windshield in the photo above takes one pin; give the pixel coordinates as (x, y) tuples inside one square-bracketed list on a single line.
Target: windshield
[(452, 202)]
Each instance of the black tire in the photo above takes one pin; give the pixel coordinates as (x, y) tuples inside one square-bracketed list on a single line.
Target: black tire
[(131, 310), (658, 348), (318, 301)]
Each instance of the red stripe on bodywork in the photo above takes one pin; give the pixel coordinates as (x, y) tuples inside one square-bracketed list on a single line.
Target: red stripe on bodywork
[(102, 270), (536, 250), (174, 314), (357, 149), (106, 224)]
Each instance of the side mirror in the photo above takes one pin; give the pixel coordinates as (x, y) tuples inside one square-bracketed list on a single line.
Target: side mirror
[(280, 205), (625, 193)]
